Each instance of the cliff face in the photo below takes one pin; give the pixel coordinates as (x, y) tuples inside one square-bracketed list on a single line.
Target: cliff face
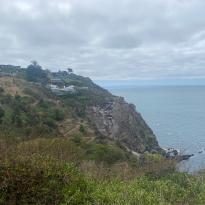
[(118, 120)]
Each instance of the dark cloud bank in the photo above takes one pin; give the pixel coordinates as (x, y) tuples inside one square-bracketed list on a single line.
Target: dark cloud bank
[(115, 39)]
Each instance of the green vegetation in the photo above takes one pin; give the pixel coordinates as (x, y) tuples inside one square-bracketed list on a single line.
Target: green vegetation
[(106, 153), (25, 116), (55, 171), (2, 113), (43, 164), (42, 180), (173, 189), (35, 73)]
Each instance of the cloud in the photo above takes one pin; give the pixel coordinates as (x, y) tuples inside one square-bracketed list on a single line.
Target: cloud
[(117, 39)]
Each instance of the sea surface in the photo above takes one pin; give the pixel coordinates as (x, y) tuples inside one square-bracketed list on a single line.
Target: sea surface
[(176, 114)]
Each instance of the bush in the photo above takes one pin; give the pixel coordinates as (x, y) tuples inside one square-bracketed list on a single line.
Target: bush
[(82, 129), (2, 113), (1, 90), (49, 122), (58, 115), (61, 149), (43, 181), (77, 139), (104, 153)]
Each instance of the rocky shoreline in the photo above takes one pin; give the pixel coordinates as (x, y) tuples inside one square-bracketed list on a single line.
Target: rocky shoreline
[(171, 153)]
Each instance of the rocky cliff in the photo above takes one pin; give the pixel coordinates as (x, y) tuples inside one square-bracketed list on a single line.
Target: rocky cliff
[(118, 120)]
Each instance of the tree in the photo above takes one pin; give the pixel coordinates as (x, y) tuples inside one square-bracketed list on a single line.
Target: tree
[(35, 73), (82, 129), (2, 113), (34, 63), (70, 70), (1, 90)]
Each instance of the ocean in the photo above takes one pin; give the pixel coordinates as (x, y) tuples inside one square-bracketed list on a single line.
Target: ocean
[(176, 114)]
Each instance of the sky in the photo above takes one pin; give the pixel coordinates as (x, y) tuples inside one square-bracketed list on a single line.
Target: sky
[(107, 39)]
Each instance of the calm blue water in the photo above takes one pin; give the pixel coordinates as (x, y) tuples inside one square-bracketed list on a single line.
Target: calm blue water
[(176, 115)]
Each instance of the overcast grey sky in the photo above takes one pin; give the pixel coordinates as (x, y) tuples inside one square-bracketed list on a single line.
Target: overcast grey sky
[(106, 39)]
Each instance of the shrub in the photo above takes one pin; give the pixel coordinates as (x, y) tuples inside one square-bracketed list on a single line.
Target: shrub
[(82, 129), (2, 113), (58, 115), (41, 180), (104, 153), (61, 149), (77, 139), (1, 90), (49, 122)]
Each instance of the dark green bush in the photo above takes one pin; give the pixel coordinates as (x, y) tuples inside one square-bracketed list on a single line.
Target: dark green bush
[(41, 180), (58, 115), (77, 139), (104, 153), (2, 113), (82, 129), (1, 90), (49, 122)]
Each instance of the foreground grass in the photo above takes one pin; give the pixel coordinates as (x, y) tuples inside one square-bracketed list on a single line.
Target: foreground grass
[(42, 173), (173, 189)]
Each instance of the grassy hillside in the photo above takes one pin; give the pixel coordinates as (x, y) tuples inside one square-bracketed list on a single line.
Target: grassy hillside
[(27, 111), (31, 110), (51, 152)]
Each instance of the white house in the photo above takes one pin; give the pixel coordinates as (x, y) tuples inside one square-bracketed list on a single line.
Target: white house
[(70, 88), (56, 89), (53, 87)]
